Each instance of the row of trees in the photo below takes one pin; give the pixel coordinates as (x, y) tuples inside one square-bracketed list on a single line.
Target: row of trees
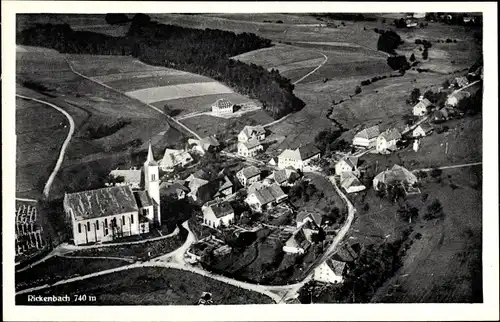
[(207, 52)]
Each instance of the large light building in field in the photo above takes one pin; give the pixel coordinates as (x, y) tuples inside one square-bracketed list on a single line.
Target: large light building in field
[(222, 106), (367, 137)]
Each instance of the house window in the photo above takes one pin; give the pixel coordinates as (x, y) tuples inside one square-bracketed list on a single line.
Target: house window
[(123, 220), (132, 219), (88, 225), (153, 177), (106, 222), (97, 224), (79, 228)]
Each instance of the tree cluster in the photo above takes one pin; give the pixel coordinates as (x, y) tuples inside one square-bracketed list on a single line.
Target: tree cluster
[(398, 62), (389, 41), (207, 52)]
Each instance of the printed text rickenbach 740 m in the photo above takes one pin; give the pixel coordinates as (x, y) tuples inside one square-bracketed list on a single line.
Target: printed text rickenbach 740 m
[(62, 298)]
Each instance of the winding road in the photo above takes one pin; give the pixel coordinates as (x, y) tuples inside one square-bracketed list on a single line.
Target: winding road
[(64, 146)]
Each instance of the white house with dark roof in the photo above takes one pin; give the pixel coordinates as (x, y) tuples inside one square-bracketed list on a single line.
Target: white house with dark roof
[(347, 164), (422, 107), (331, 271), (252, 132), (260, 195), (216, 214), (222, 106), (367, 137), (422, 130), (249, 148), (173, 158), (387, 141), (248, 175), (298, 158)]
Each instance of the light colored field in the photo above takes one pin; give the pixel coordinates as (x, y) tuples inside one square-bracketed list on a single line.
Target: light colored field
[(99, 65), (258, 18), (171, 92), (330, 43), (278, 55), (300, 64)]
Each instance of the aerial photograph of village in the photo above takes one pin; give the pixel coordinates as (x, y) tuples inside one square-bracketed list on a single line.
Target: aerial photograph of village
[(248, 158)]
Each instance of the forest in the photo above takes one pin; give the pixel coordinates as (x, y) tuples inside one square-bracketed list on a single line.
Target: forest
[(207, 52)]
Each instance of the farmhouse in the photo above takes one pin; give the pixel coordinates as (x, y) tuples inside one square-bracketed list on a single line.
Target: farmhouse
[(222, 106), (387, 141), (207, 144), (397, 175), (422, 130), (130, 178), (249, 148), (248, 175), (298, 158), (453, 99), (224, 188), (284, 177), (348, 164), (104, 214), (252, 132), (422, 107), (29, 231), (367, 137), (350, 182), (173, 158), (260, 196), (297, 243), (194, 186), (305, 216), (216, 214), (331, 271)]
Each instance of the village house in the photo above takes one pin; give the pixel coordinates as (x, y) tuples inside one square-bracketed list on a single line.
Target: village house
[(29, 231), (249, 148), (422, 108), (298, 158), (285, 177), (224, 188), (347, 164), (453, 99), (248, 175), (203, 246), (387, 141), (297, 243), (222, 106), (216, 214), (367, 137), (331, 271), (422, 130), (175, 190), (104, 214), (173, 158), (130, 178), (206, 144), (350, 183), (252, 132), (306, 215), (394, 176), (260, 196)]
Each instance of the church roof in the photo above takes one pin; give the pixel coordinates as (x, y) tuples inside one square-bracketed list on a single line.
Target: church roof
[(101, 202), (143, 199)]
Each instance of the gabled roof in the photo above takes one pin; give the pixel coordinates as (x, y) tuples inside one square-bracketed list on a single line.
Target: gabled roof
[(143, 199), (250, 144), (250, 172), (207, 142), (222, 103), (101, 202), (175, 187), (280, 176), (308, 151), (276, 191), (315, 216), (426, 127), (369, 133), (224, 183), (253, 130), (336, 266), (222, 209), (349, 180), (299, 240), (424, 103), (391, 134), (351, 161), (129, 176), (290, 154), (396, 174), (196, 183), (173, 157), (199, 174)]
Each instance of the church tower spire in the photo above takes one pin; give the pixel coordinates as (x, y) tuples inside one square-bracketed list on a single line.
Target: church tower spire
[(152, 184)]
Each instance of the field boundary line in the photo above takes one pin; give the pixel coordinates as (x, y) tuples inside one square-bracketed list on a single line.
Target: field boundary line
[(64, 146), (133, 98), (314, 70), (449, 167)]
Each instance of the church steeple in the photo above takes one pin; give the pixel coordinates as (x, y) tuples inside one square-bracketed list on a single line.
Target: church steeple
[(150, 160), (152, 183)]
